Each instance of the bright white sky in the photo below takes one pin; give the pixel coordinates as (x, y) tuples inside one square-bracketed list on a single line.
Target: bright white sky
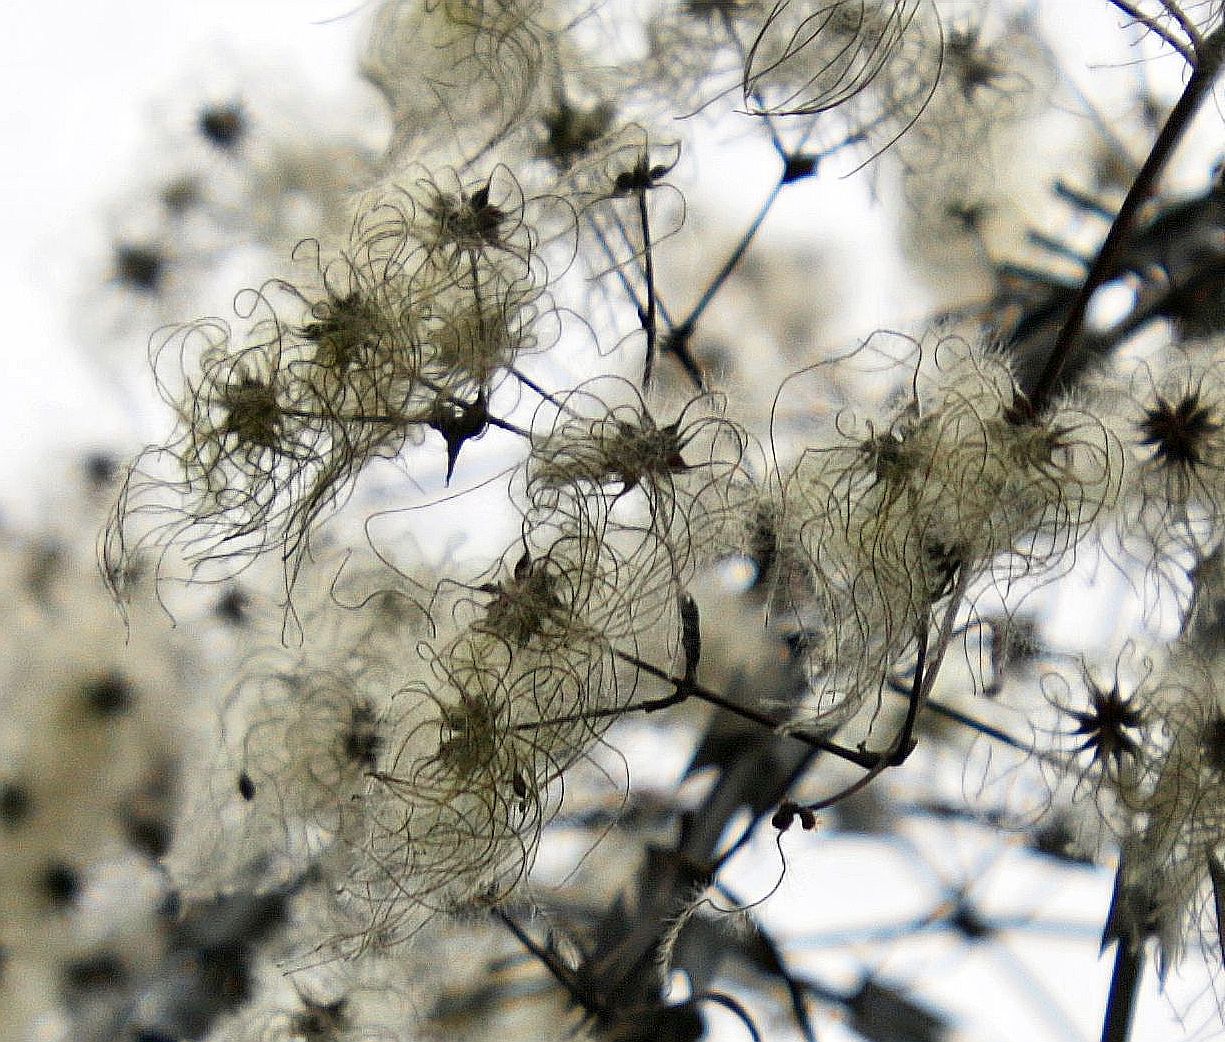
[(79, 91)]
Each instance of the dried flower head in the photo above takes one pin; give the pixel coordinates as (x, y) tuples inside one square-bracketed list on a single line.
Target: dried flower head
[(313, 736), (471, 66), (1171, 414), (1177, 827), (893, 514), (1109, 730)]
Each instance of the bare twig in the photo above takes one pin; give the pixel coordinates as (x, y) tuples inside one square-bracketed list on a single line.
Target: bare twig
[(1124, 987), (869, 760), (1197, 90), (1157, 28), (1175, 11), (649, 321)]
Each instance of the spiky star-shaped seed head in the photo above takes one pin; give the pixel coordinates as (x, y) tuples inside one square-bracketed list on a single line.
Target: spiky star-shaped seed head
[(1178, 431), (1106, 726)]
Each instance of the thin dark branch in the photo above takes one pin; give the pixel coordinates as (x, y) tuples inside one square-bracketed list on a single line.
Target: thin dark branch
[(649, 320), (1175, 11), (861, 758), (1056, 248), (560, 972), (729, 1003), (677, 340), (532, 385), (1124, 988), (724, 273), (903, 745), (1155, 26), (1198, 88), (617, 267), (957, 716), (1082, 200), (649, 705)]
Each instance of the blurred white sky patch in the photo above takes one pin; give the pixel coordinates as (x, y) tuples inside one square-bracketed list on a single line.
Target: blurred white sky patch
[(90, 94)]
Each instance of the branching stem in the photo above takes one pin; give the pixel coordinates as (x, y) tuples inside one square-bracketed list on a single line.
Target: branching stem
[(1198, 89), (686, 689), (1154, 25)]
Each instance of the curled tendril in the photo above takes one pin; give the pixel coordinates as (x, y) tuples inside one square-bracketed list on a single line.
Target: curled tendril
[(875, 63), (886, 516), (470, 65), (406, 328), (674, 490)]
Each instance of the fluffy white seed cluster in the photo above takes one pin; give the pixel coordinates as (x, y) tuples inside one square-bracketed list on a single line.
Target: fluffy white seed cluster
[(876, 62), (403, 333), (474, 64), (1167, 790), (410, 767), (544, 80), (668, 490), (501, 708), (892, 514), (1169, 411), (620, 511)]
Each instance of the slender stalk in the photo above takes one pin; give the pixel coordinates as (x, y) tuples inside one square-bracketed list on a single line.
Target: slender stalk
[(561, 973), (533, 385), (860, 758), (1124, 989), (649, 320), (1105, 264), (737, 254), (904, 743), (1175, 11), (649, 705), (965, 720), (1081, 199), (1155, 26)]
